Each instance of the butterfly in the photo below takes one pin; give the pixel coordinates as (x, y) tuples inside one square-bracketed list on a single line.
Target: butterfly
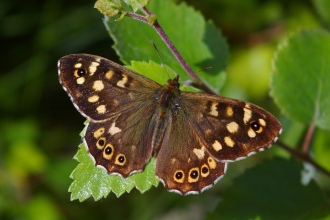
[(132, 118)]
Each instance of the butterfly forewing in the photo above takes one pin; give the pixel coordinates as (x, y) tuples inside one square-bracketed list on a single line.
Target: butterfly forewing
[(133, 118), (230, 129), (100, 88)]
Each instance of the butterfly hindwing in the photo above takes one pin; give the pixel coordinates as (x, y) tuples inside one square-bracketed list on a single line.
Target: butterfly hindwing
[(183, 163), (121, 144)]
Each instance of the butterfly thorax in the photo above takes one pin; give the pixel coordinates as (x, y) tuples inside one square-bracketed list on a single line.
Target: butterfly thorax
[(167, 96), (167, 103)]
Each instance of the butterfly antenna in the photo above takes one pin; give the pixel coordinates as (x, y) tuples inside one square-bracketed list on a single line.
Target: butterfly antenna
[(160, 58), (206, 68)]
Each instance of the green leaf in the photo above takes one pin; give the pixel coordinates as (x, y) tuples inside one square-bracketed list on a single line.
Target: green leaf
[(199, 42), (136, 4), (90, 180), (321, 150), (323, 8), (156, 72), (109, 7), (300, 81), (153, 71), (272, 190)]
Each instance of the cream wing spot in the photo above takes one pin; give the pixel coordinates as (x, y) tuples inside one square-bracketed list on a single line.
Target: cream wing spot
[(262, 122), (122, 82), (247, 115), (101, 109), (92, 68), (80, 80), (229, 111), (216, 146), (229, 141), (211, 162), (77, 65), (232, 127), (251, 133), (200, 153), (109, 74), (98, 133), (93, 98), (114, 130), (98, 85), (214, 110)]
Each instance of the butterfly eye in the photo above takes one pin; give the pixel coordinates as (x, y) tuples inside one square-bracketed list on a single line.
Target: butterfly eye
[(256, 127), (79, 72), (176, 106)]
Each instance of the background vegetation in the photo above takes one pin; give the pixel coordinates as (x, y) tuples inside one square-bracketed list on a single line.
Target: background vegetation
[(39, 127)]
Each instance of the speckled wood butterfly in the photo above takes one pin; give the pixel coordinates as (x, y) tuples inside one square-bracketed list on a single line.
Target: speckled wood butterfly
[(132, 118)]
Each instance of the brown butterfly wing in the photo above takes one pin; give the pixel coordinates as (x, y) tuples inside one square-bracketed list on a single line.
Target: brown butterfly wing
[(183, 163), (113, 98), (100, 88), (230, 129), (206, 132)]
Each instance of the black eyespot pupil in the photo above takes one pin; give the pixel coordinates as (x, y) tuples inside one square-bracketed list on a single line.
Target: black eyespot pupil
[(255, 126), (179, 175), (108, 150), (81, 72), (205, 170), (121, 159), (194, 174), (101, 142)]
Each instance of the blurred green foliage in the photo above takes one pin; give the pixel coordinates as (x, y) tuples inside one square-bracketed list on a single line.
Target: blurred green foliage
[(39, 127)]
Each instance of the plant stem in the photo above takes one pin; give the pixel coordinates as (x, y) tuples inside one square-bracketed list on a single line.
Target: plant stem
[(308, 138), (199, 84), (303, 156)]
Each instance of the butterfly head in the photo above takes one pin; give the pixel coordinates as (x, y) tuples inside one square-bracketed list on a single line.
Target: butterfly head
[(173, 83)]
